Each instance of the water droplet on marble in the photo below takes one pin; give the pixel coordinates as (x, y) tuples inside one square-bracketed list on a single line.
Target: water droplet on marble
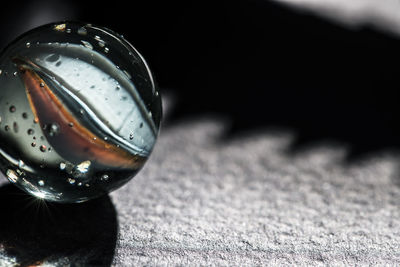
[(87, 44), (53, 129), (60, 27), (21, 164), (15, 127), (101, 43), (53, 58), (83, 167), (12, 176), (82, 31), (62, 166)]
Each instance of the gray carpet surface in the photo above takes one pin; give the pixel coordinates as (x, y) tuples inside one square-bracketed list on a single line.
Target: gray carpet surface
[(203, 201)]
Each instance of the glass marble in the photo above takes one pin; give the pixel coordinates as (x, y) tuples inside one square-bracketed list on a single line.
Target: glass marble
[(79, 111)]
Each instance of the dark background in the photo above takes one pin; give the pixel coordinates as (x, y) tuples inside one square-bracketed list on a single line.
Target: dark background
[(258, 63)]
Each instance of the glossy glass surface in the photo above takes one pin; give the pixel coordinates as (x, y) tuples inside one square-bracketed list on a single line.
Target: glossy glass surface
[(79, 111)]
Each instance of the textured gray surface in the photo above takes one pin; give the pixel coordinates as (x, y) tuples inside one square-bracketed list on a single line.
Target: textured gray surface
[(205, 200), (201, 200), (382, 15)]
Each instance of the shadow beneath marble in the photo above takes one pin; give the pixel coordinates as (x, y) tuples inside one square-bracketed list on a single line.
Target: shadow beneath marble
[(33, 231)]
